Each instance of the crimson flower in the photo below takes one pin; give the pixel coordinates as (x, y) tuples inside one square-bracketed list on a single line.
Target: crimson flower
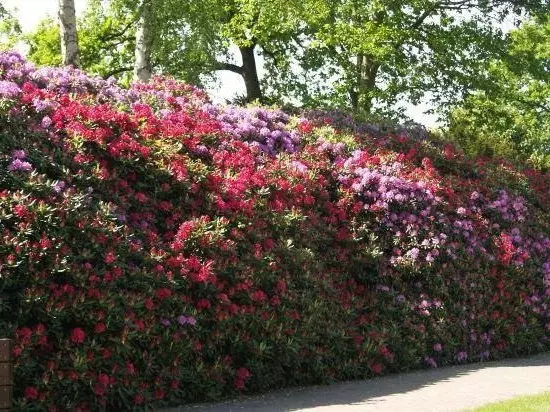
[(77, 335)]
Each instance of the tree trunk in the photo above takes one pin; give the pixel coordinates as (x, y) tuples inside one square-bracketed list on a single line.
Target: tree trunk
[(69, 36), (144, 43), (250, 74), (361, 93), (354, 89)]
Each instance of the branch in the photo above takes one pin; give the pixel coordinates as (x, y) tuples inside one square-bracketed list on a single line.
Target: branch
[(119, 33), (418, 22), (114, 72), (229, 67)]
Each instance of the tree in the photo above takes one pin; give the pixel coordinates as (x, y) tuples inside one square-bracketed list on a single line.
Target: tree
[(508, 115), (144, 42), (106, 41), (68, 32), (187, 39), (378, 53), (272, 30), (10, 29)]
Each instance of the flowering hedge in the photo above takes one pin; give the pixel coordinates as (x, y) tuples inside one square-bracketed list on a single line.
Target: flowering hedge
[(158, 250)]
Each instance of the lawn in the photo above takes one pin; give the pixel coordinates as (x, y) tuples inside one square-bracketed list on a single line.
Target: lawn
[(534, 403)]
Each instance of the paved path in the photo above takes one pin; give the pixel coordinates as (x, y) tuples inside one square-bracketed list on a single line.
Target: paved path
[(446, 389)]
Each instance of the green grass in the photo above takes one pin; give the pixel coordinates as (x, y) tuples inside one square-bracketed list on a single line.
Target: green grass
[(535, 403)]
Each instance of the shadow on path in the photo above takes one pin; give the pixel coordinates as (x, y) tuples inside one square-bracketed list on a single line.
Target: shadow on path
[(359, 392)]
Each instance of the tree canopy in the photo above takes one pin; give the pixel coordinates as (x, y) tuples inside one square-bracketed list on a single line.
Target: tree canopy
[(509, 113)]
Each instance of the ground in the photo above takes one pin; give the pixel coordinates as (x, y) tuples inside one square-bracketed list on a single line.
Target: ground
[(454, 388)]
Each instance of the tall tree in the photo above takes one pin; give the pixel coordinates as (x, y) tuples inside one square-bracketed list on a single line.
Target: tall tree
[(187, 39), (144, 42), (10, 29), (68, 33), (378, 52), (263, 28), (508, 115)]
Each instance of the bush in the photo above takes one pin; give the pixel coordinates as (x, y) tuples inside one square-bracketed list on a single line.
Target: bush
[(157, 250)]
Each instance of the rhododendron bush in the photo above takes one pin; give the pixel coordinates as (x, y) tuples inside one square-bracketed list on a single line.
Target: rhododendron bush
[(157, 249)]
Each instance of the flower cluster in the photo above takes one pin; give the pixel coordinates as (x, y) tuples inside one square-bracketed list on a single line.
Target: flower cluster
[(155, 256), (18, 162), (9, 89), (266, 129)]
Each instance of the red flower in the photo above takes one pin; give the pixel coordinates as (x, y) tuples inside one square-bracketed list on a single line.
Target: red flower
[(99, 389), (31, 393), (241, 376), (103, 379), (258, 296), (162, 294), (243, 373), (45, 243), (376, 367), (20, 211), (203, 304), (138, 399), (130, 368), (24, 334), (72, 375), (448, 151), (305, 127), (77, 335), (110, 258), (159, 394), (100, 328), (149, 304), (203, 274)]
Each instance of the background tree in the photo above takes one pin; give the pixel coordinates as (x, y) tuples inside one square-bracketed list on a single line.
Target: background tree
[(189, 40), (68, 32), (266, 29), (369, 56), (509, 115), (10, 29), (378, 54), (144, 42)]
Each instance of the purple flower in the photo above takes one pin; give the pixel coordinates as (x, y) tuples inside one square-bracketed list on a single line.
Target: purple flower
[(259, 127), (438, 347), (299, 166), (19, 165), (187, 320), (19, 154), (430, 362), (413, 253), (165, 322), (59, 186), (46, 122), (461, 356), (9, 89)]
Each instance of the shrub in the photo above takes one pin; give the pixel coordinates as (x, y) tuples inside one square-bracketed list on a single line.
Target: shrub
[(156, 251)]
